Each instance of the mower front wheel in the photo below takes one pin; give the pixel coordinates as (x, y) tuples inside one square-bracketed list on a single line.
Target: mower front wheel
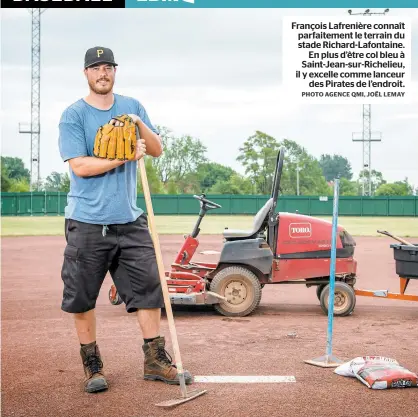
[(240, 287), (344, 299), (114, 296)]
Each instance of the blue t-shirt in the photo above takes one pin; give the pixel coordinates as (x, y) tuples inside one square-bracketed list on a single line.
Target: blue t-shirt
[(108, 198)]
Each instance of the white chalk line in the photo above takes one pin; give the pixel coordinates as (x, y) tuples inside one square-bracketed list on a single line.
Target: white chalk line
[(245, 379)]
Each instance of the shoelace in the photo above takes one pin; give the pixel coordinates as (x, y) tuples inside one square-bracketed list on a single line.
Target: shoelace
[(163, 355), (94, 364)]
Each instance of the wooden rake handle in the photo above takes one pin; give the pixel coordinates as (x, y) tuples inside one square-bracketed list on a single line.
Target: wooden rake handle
[(160, 264), (399, 239)]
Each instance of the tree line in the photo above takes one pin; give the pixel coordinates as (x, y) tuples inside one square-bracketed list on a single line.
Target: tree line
[(184, 168)]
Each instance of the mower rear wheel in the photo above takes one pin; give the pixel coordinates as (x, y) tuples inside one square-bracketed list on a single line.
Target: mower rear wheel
[(241, 288), (344, 299)]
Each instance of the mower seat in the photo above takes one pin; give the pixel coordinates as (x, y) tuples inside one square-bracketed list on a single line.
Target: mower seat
[(258, 221)]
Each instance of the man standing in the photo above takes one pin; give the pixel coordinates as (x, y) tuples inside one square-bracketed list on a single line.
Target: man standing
[(104, 228)]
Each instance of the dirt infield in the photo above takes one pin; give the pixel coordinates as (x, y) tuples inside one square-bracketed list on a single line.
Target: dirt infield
[(42, 372)]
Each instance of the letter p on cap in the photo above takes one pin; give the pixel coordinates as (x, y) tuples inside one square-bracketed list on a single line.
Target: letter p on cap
[(99, 52)]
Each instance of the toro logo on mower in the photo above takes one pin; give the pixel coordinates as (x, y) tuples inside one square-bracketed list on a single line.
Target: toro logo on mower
[(297, 230)]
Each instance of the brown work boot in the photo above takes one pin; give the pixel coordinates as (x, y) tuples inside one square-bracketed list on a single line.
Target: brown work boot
[(158, 364), (93, 368)]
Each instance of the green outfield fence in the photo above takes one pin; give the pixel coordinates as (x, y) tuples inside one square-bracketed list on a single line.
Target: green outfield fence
[(53, 203)]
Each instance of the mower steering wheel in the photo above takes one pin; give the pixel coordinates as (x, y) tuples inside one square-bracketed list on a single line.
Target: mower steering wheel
[(209, 204)]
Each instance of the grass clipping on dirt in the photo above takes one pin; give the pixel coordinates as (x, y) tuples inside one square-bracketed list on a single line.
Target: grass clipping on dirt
[(212, 224)]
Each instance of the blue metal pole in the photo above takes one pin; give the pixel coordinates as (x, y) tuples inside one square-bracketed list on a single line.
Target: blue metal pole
[(332, 269)]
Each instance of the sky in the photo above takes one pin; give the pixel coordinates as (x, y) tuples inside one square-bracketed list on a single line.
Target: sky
[(214, 74)]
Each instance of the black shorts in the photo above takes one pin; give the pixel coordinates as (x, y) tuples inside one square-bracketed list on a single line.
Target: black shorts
[(124, 250)]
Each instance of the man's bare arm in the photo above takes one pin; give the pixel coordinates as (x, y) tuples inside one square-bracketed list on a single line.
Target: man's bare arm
[(88, 166)]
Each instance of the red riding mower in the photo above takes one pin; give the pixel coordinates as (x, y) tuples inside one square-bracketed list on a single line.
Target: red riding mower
[(281, 248)]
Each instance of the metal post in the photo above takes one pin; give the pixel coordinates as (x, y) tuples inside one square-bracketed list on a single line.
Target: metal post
[(330, 361), (297, 179), (332, 270)]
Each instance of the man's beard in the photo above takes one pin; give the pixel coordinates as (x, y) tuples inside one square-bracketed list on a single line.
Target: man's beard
[(100, 89)]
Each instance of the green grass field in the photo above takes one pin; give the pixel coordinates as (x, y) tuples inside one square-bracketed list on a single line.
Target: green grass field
[(211, 224)]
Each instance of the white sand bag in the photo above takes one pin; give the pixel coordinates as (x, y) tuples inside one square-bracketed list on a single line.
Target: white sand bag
[(351, 367)]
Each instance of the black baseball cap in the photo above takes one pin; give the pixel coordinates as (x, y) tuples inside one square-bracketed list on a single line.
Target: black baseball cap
[(99, 55)]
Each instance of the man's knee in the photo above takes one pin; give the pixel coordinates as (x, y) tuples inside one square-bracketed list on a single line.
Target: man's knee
[(84, 315)]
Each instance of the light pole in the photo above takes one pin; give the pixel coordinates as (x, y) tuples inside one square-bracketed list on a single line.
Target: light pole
[(367, 136)]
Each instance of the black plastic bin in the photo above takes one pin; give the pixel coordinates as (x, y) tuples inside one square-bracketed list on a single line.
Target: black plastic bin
[(406, 257)]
